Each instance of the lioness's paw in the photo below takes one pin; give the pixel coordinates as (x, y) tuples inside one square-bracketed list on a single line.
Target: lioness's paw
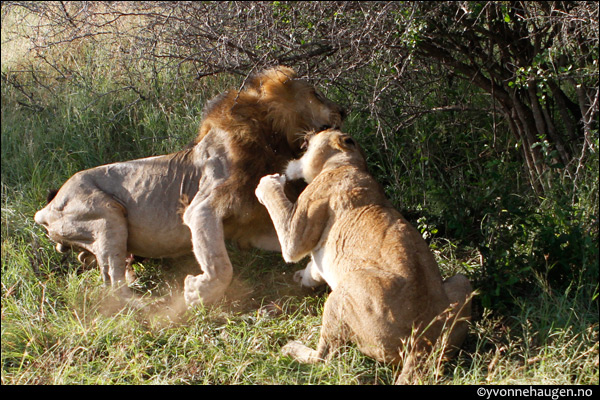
[(308, 277), (281, 178), (300, 352), (268, 182), (276, 179), (298, 275), (291, 348)]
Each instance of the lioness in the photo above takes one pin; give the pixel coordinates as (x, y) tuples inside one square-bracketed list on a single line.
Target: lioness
[(135, 207), (384, 279)]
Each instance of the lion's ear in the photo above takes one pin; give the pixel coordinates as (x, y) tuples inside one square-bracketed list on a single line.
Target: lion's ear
[(274, 85), (280, 73), (271, 78)]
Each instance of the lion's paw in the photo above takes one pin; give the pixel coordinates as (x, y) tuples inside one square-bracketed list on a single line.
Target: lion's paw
[(199, 290)]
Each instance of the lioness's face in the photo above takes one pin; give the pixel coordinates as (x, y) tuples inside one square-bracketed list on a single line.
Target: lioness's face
[(322, 146)]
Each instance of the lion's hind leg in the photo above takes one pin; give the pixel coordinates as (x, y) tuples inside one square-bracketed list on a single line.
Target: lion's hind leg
[(95, 225), (108, 224)]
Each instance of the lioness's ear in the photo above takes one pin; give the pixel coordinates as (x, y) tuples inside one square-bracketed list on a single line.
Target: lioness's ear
[(346, 142)]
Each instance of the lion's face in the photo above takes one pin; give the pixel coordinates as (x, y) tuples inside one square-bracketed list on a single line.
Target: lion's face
[(296, 107), (274, 100), (317, 113)]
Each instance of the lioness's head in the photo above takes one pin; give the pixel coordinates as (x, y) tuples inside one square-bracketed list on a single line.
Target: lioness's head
[(294, 107), (329, 148)]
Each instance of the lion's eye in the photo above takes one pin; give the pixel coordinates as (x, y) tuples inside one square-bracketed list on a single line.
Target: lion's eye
[(324, 128)]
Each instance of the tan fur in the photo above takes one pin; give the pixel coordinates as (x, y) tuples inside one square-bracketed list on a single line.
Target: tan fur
[(385, 282), (136, 206)]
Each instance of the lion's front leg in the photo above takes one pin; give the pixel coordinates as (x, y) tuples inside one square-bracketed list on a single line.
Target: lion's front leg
[(209, 248)]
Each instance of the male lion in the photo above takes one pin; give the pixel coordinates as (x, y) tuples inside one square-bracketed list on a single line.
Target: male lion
[(384, 279), (134, 207)]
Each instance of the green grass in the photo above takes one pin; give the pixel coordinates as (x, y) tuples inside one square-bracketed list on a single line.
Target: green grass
[(61, 326)]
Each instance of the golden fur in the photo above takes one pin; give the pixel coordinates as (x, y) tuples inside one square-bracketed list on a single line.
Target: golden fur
[(135, 206), (385, 282)]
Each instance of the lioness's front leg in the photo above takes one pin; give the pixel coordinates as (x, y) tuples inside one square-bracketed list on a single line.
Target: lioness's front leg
[(299, 226), (459, 292)]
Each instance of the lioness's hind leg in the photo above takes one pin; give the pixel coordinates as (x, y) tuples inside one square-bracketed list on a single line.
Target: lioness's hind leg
[(459, 292), (332, 335)]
